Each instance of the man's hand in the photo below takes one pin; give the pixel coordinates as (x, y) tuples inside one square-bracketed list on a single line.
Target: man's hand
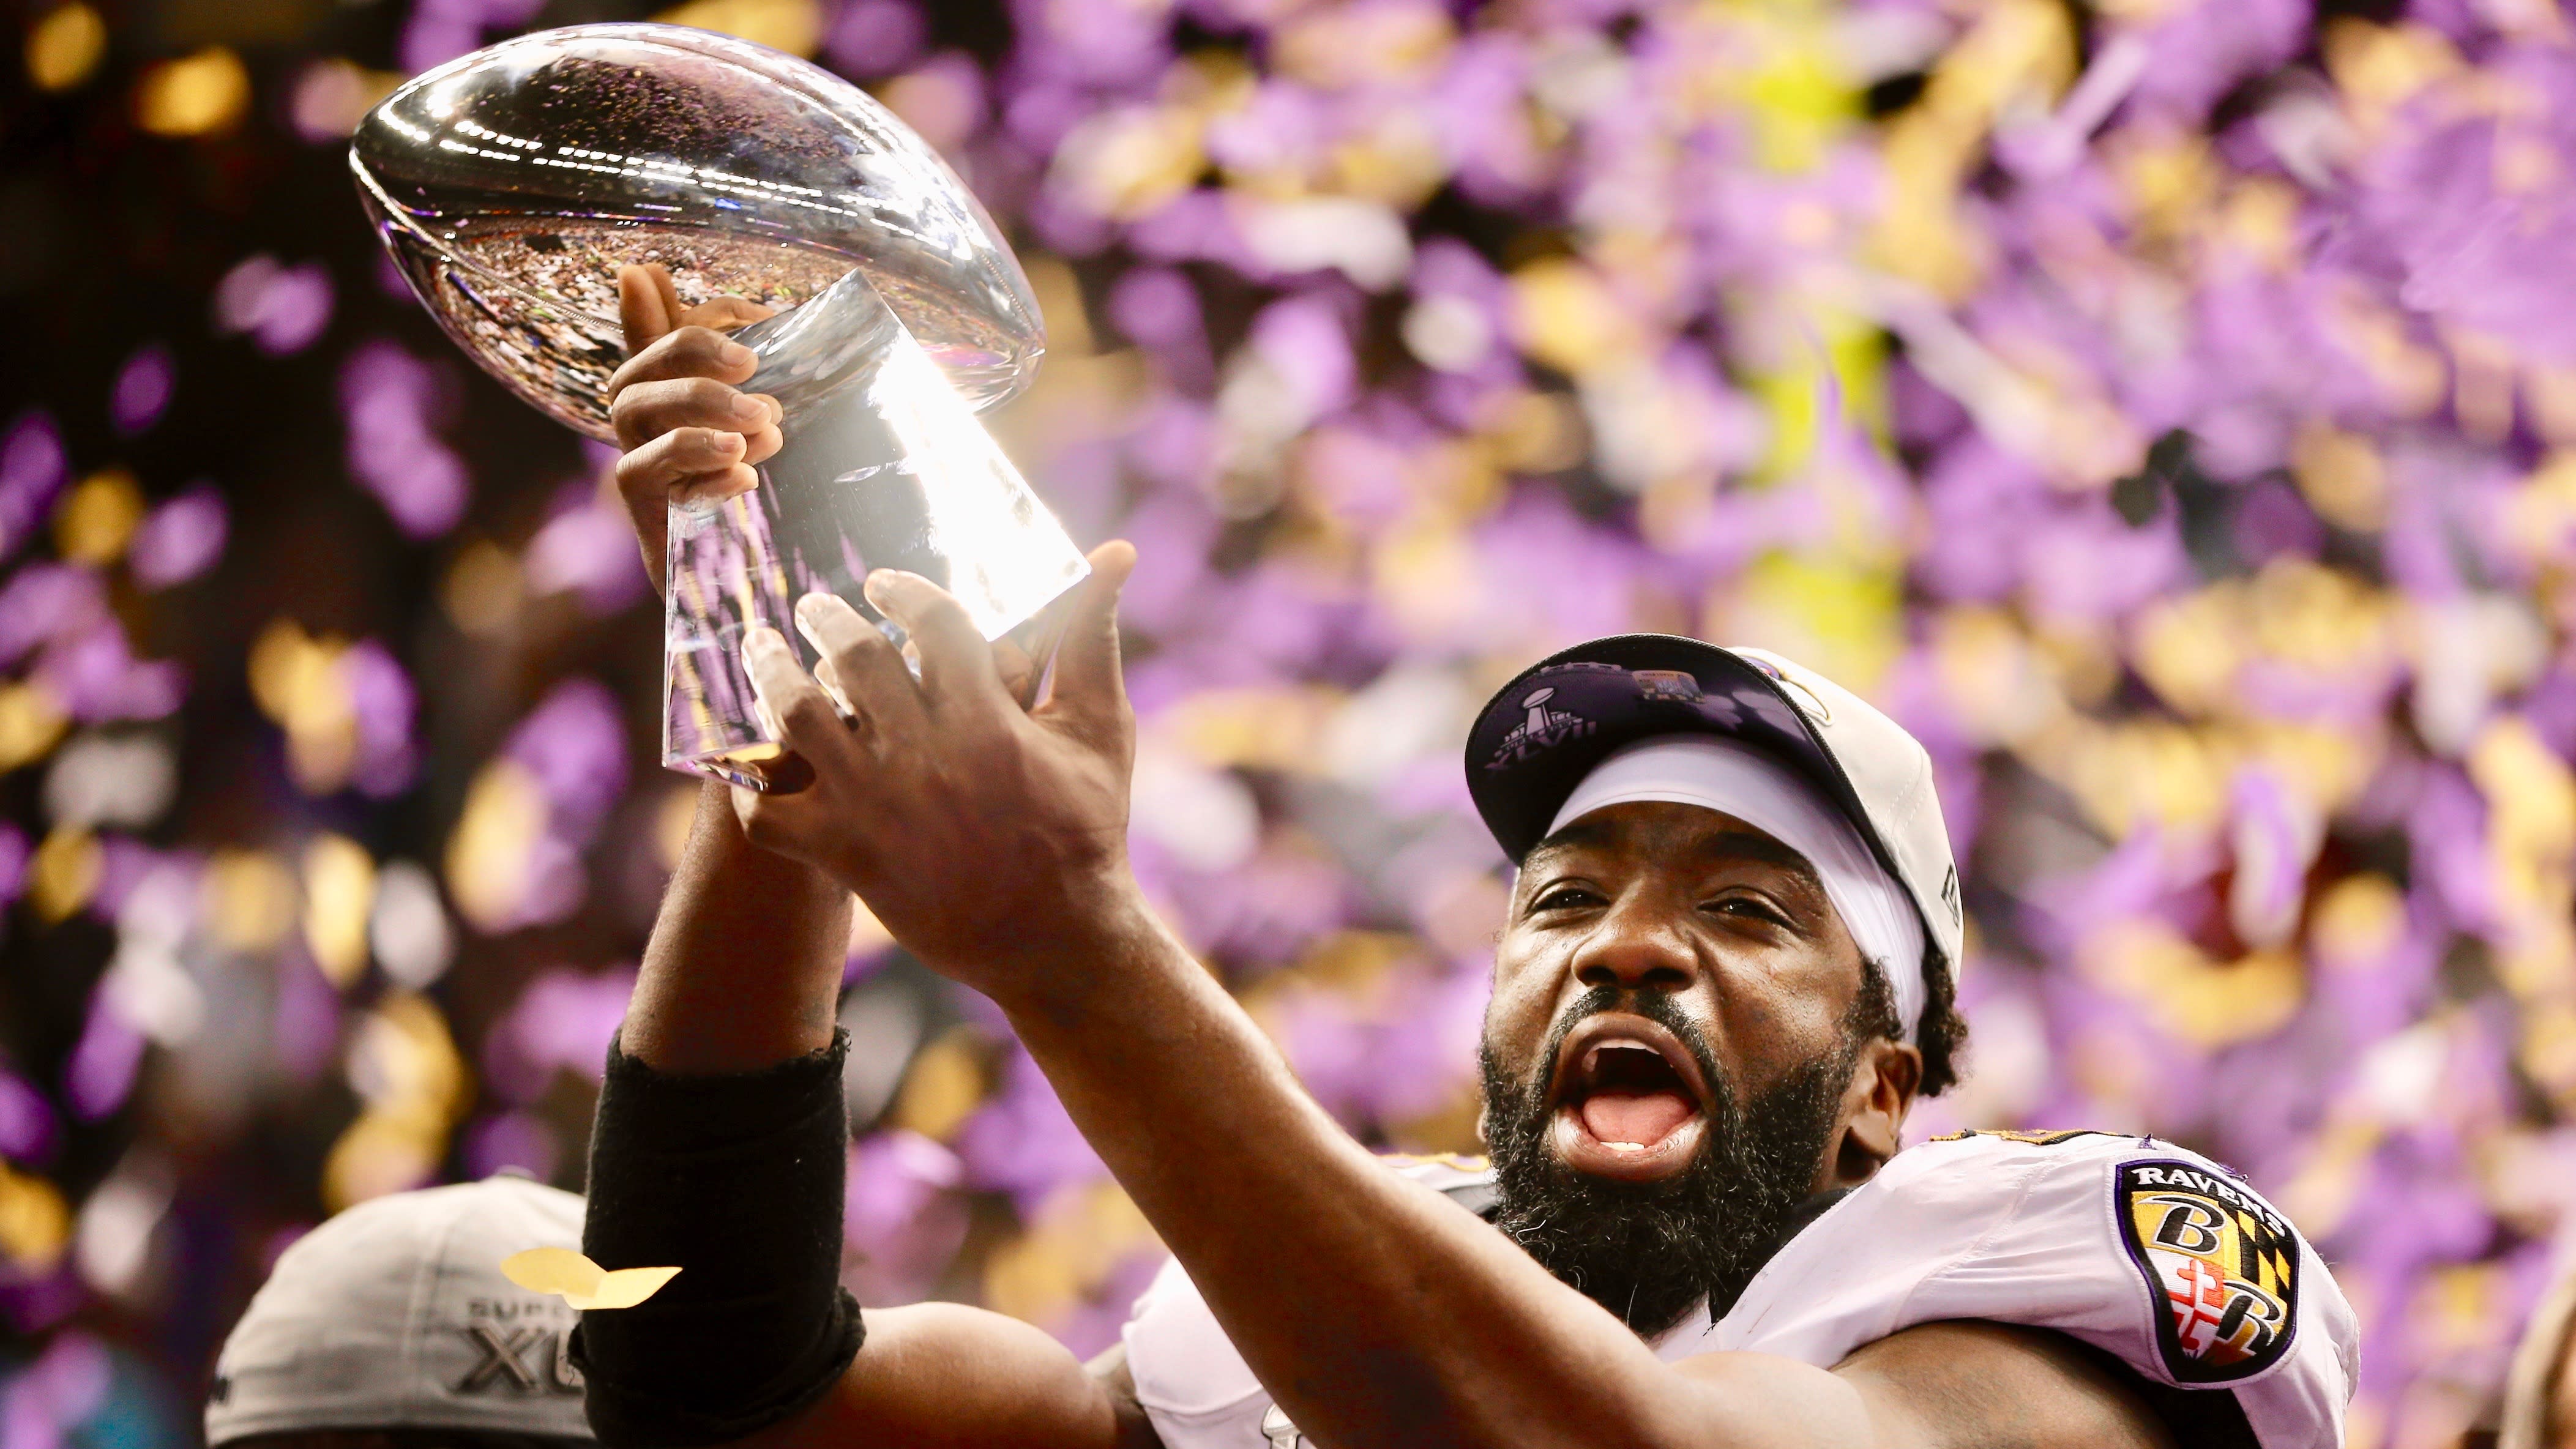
[(989, 839), (688, 433)]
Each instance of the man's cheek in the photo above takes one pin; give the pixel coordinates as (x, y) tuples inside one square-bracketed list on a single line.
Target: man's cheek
[(1516, 1020)]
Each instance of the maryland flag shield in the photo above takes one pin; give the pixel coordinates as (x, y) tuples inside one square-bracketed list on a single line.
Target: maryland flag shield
[(2222, 1266)]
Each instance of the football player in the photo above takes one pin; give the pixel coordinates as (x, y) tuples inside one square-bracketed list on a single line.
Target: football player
[(1725, 975)]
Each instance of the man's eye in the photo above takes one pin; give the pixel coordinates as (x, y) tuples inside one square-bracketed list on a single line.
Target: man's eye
[(1560, 898), (1748, 908)]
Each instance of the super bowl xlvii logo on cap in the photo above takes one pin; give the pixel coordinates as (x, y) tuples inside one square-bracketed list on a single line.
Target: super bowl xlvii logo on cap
[(1540, 728), (514, 1357)]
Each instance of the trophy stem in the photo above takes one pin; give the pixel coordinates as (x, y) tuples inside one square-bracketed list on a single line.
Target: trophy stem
[(883, 465)]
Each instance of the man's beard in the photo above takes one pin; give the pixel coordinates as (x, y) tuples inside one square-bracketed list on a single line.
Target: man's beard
[(1649, 1251)]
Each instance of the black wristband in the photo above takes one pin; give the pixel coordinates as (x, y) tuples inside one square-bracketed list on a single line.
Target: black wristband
[(738, 1181)]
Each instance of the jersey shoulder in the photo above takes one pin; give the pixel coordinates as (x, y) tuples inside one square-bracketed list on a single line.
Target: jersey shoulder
[(2225, 1272), (2144, 1249)]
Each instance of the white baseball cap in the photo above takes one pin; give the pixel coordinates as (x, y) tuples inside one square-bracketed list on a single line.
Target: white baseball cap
[(1544, 733), (394, 1315)]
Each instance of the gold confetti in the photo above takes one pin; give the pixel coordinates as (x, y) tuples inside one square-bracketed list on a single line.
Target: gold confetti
[(794, 26), (339, 891), (99, 517), (204, 93), (30, 723), (64, 47), (64, 873), (581, 1283)]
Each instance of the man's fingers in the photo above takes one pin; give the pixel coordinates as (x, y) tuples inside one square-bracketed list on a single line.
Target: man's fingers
[(674, 465), (864, 662), (647, 410), (669, 290), (684, 452), (794, 703), (1016, 669), (716, 487), (690, 435), (647, 475), (664, 472), (641, 306), (956, 664), (688, 352), (780, 820), (1090, 690), (726, 313)]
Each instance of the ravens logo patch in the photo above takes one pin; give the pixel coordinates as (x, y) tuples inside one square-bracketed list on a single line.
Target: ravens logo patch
[(2222, 1266)]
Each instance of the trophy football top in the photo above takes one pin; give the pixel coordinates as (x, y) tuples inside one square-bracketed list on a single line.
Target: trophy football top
[(510, 184)]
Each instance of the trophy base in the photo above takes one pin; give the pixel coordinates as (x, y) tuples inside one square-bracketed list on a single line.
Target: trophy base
[(747, 767)]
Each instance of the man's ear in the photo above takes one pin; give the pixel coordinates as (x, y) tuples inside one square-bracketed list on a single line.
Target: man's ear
[(1874, 1106)]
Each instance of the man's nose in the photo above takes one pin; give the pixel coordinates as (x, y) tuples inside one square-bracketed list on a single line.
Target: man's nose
[(1638, 946)]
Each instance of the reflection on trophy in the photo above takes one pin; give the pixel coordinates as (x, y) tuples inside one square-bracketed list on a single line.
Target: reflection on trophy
[(511, 184)]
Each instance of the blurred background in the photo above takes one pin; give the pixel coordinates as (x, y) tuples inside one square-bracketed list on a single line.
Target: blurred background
[(2167, 408)]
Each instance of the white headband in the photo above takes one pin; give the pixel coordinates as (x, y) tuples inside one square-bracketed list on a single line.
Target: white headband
[(1734, 778)]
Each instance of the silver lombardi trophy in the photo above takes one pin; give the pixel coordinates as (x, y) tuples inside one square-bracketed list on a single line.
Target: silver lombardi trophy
[(511, 184)]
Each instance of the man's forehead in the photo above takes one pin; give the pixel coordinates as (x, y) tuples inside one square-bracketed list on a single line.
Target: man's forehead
[(1670, 831)]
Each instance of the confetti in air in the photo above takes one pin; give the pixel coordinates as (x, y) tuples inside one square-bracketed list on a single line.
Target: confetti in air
[(582, 1283)]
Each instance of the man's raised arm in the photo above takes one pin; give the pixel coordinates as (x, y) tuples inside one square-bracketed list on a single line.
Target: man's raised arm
[(728, 1053)]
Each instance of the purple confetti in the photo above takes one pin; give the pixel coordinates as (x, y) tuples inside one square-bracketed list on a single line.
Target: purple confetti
[(588, 549), (305, 1031), (101, 1071), (1022, 1142), (441, 30), (875, 38), (387, 395), (31, 474), (574, 743), (92, 671), (512, 1140), (382, 698), (180, 539), (27, 1128), (561, 1022), (142, 391), (42, 602), (283, 309), (66, 1384)]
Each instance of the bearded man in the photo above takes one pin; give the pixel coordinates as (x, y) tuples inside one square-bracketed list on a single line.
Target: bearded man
[(1723, 980)]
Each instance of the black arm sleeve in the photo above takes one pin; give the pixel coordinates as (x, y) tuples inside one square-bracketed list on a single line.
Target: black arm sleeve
[(738, 1180)]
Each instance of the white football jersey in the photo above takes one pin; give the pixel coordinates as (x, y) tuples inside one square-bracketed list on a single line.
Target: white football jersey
[(2148, 1252)]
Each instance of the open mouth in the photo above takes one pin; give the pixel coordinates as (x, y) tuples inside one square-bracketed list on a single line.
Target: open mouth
[(1630, 1101)]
